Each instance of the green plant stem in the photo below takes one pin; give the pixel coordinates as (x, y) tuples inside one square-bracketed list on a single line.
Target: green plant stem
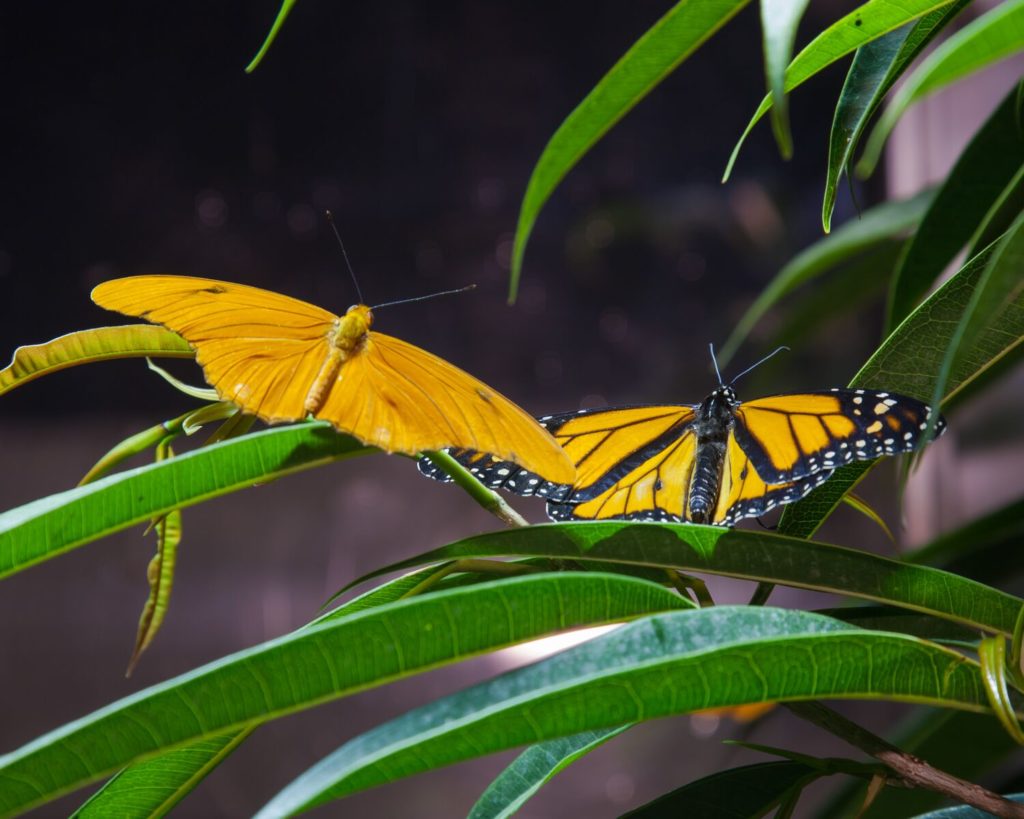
[(491, 501), (909, 769), (496, 567)]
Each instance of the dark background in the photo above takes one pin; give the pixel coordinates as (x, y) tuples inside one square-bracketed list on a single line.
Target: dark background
[(133, 142)]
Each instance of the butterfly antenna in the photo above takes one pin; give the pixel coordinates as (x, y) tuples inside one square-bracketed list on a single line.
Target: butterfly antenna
[(424, 298), (348, 264), (758, 364), (714, 361)]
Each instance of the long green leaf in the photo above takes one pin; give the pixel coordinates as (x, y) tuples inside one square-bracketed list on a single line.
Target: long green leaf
[(862, 25), (992, 37), (660, 665), (1000, 216), (88, 346), (984, 168), (532, 768), (151, 787), (779, 21), (50, 526), (876, 226), (907, 362), (329, 660), (651, 58), (748, 554), (875, 67), (750, 791), (999, 287)]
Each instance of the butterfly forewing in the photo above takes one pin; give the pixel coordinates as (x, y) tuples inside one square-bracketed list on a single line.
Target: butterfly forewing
[(790, 437)]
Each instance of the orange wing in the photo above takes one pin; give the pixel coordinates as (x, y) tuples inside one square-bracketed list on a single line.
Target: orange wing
[(265, 352), (791, 437), (403, 399), (258, 349), (743, 493), (631, 462)]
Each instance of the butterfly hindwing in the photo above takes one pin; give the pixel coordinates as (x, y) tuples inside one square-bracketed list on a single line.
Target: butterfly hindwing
[(791, 437)]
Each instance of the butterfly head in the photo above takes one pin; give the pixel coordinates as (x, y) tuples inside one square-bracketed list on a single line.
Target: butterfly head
[(724, 393), (353, 326)]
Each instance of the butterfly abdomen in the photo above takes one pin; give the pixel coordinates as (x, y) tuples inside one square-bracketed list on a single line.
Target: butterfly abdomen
[(712, 424)]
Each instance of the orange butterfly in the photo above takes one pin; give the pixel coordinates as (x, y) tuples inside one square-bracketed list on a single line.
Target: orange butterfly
[(282, 359)]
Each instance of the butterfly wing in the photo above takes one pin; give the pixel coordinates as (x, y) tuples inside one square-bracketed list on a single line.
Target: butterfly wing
[(743, 493), (632, 462), (790, 437), (259, 349), (403, 399)]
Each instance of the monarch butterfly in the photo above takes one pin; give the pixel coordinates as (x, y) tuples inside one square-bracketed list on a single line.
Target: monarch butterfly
[(282, 359), (716, 462)]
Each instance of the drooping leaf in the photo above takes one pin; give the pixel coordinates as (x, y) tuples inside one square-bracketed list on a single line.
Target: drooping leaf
[(329, 660), (986, 40), (50, 526), (532, 768), (88, 346), (159, 573), (660, 665), (749, 554), (862, 25), (991, 159), (875, 67), (680, 32), (779, 21), (282, 15)]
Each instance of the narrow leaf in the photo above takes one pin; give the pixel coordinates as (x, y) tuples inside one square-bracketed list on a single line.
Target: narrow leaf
[(1000, 216), (875, 67), (532, 768), (876, 226), (159, 573), (992, 158), (747, 554), (88, 346), (282, 15), (51, 526), (999, 287), (329, 660), (749, 791), (153, 788), (651, 58), (660, 665), (779, 21), (992, 37), (862, 25)]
